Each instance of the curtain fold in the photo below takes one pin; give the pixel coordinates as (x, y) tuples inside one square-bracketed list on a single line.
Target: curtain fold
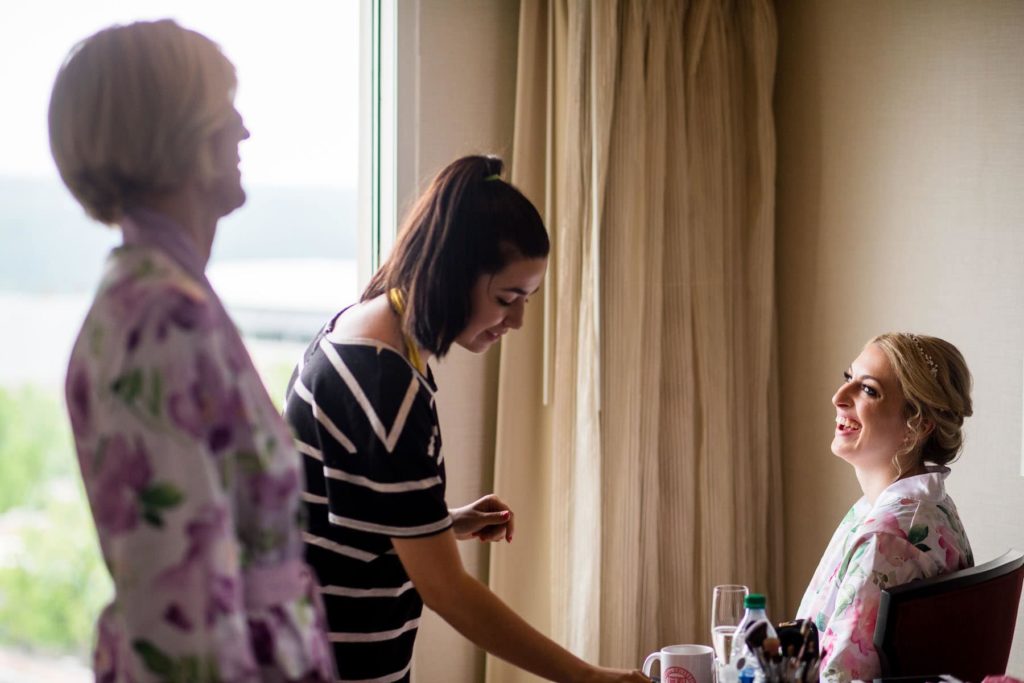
[(644, 130)]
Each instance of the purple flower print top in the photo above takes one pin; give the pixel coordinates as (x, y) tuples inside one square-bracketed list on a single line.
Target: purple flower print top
[(192, 478), (912, 532)]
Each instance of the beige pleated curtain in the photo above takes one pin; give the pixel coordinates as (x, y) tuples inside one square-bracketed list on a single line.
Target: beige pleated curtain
[(637, 408)]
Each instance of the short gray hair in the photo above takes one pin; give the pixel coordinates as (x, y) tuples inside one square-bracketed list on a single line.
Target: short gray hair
[(132, 110)]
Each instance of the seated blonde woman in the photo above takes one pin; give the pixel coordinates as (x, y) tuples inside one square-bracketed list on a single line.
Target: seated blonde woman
[(899, 418)]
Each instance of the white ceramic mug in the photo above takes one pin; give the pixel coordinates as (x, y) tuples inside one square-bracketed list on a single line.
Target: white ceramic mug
[(683, 664)]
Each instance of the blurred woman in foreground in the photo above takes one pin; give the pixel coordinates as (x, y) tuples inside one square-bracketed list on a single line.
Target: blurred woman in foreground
[(190, 472)]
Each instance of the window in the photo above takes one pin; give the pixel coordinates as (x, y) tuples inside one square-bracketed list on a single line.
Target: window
[(282, 263)]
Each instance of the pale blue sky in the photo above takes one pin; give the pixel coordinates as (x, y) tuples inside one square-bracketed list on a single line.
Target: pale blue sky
[(297, 66)]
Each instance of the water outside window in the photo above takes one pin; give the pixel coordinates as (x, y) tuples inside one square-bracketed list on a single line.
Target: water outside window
[(282, 264)]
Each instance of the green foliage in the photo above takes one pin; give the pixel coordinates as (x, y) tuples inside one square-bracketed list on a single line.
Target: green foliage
[(52, 579), (56, 585), (35, 445), (275, 376)]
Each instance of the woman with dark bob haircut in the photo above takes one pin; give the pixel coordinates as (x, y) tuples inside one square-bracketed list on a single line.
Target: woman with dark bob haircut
[(191, 474), (361, 406)]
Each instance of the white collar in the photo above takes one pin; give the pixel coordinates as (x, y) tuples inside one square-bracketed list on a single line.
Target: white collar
[(928, 486)]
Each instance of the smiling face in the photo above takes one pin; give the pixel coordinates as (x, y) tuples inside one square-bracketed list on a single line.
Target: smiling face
[(871, 424), (499, 303)]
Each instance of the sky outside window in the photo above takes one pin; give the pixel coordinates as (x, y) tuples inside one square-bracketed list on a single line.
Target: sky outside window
[(283, 261), (297, 68)]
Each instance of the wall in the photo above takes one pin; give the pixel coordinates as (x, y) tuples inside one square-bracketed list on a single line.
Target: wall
[(456, 96), (900, 207)]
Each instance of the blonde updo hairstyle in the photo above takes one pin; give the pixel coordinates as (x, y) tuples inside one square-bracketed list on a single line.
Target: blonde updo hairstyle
[(937, 387), (132, 112)]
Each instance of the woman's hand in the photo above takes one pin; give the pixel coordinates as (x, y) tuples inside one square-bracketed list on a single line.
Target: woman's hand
[(488, 519), (434, 565)]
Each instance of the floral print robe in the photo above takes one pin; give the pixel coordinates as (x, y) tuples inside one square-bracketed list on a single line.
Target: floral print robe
[(192, 479), (912, 532)]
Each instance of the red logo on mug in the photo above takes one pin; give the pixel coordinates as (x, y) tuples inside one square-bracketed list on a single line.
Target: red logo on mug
[(677, 674)]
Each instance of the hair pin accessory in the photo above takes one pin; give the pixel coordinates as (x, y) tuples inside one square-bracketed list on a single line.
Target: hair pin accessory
[(495, 176), (932, 367)]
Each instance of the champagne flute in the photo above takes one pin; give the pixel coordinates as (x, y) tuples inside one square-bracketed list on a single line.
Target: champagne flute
[(726, 612)]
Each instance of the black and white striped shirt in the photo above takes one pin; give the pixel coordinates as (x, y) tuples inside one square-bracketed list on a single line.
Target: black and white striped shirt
[(366, 424)]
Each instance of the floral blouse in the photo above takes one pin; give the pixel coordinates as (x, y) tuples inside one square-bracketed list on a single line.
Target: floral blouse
[(912, 532), (192, 479)]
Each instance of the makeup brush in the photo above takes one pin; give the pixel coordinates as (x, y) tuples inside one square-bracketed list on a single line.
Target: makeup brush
[(754, 638)]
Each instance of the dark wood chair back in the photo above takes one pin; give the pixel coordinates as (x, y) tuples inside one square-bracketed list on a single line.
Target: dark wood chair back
[(959, 624)]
